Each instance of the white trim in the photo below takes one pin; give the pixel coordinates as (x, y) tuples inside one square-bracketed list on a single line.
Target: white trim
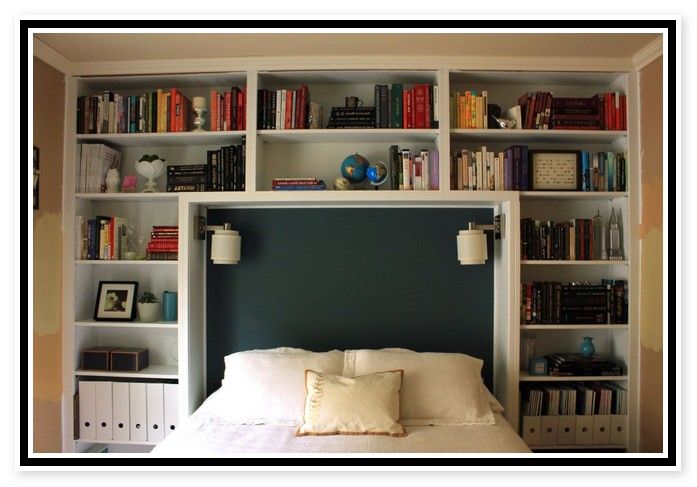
[(647, 54), (315, 63), (52, 57)]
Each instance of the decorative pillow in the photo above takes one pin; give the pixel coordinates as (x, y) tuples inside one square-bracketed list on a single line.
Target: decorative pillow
[(266, 386), (438, 388), (365, 405)]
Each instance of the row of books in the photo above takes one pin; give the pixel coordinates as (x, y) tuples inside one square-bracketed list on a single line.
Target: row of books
[(228, 109), (541, 110), (95, 161), (418, 108), (101, 237), (575, 364), (468, 110), (283, 109), (482, 170), (413, 171), (550, 302), (298, 184), (573, 398), (575, 239), (224, 170), (162, 110), (164, 243), (603, 171)]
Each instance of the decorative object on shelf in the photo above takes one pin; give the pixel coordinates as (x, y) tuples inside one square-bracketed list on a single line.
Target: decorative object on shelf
[(503, 123), (148, 306), (112, 180), (129, 184), (555, 171), (36, 178), (377, 173), (614, 251), (537, 366), (96, 358), (150, 166), (135, 244), (169, 306), (527, 350), (353, 102), (599, 251), (226, 243), (471, 244), (341, 183), (115, 301), (199, 107), (587, 348), (354, 168), (315, 115), (129, 359)]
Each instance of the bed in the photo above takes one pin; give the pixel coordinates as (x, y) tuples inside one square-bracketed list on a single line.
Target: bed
[(290, 401)]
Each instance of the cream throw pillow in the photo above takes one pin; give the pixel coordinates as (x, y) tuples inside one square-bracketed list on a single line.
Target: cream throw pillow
[(365, 405)]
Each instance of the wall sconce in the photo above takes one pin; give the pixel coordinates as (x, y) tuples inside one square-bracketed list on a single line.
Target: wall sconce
[(471, 244), (225, 242)]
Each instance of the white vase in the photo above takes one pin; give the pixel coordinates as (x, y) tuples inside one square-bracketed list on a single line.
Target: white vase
[(148, 311)]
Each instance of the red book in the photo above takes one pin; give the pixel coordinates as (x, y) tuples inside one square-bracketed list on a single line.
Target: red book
[(228, 106), (214, 110), (405, 109), (304, 101), (241, 112), (623, 112), (172, 109), (289, 110), (419, 108), (412, 118)]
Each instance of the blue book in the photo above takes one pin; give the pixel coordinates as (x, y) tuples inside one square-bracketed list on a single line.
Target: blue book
[(585, 171)]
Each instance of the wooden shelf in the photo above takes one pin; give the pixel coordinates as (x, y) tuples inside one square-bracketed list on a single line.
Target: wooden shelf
[(129, 197), (151, 372), (525, 377), (173, 325), (572, 195), (126, 262), (574, 262), (163, 139), (578, 447), (528, 135), (349, 135), (572, 327)]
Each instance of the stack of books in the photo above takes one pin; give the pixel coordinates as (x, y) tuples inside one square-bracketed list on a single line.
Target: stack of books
[(352, 118), (164, 243), (95, 161), (604, 111), (100, 238), (224, 171), (575, 364), (298, 184), (568, 399)]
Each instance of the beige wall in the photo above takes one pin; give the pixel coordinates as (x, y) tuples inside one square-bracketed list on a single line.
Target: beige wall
[(49, 100), (651, 235)]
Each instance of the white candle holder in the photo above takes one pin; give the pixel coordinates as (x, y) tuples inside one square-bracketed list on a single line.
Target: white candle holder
[(199, 108)]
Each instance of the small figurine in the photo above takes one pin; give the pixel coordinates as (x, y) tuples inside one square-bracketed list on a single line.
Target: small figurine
[(129, 184), (112, 180)]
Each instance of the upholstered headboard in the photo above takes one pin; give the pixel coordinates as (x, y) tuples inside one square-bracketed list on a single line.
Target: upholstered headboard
[(349, 278)]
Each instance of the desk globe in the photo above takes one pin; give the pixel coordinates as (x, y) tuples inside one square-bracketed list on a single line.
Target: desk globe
[(377, 173), (355, 168)]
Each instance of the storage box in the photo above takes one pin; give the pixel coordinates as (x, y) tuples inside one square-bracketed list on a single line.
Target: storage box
[(129, 359), (96, 358)]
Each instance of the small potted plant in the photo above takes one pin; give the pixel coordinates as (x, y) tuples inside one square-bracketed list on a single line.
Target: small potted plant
[(148, 306)]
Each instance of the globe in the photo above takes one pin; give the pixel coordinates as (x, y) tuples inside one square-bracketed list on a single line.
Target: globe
[(355, 168), (377, 173)]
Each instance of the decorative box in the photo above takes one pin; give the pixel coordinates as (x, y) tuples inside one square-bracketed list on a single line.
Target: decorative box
[(129, 359), (538, 366), (96, 358)]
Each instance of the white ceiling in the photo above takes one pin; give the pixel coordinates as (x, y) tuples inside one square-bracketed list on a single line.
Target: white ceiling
[(90, 47)]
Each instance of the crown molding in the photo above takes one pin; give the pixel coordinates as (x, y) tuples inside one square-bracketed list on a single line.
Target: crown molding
[(647, 54), (52, 57)]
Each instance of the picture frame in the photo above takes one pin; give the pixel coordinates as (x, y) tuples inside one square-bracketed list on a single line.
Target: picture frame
[(116, 301), (555, 170)]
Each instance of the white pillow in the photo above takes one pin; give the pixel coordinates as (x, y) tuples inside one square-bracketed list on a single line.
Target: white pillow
[(267, 386), (438, 388), (365, 405)]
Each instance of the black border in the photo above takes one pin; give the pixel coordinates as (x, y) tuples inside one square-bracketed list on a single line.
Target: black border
[(60, 461)]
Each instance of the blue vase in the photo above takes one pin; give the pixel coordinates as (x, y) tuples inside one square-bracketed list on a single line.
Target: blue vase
[(587, 347)]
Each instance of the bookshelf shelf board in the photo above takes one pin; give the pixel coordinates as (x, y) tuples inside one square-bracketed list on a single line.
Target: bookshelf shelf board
[(126, 262), (578, 447), (173, 325), (574, 262), (164, 139), (387, 136), (116, 442), (572, 327), (572, 195), (529, 135), (151, 372), (525, 377), (128, 197)]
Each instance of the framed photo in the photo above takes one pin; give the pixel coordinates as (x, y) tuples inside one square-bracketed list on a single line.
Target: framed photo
[(116, 301), (555, 171)]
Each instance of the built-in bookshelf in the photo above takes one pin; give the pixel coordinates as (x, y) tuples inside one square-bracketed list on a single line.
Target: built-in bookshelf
[(302, 150)]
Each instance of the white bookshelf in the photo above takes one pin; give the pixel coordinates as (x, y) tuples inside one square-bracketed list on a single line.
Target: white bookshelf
[(318, 153)]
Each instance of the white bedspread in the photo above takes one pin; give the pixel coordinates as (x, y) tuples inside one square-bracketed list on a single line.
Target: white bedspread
[(207, 433)]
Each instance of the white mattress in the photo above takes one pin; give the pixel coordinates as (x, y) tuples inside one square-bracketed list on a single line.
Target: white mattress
[(207, 433)]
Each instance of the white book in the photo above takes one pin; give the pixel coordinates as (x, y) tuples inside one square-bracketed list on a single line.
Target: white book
[(435, 103), (425, 170), (406, 169), (278, 110)]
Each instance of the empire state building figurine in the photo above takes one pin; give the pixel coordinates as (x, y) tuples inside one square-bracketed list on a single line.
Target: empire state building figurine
[(614, 251)]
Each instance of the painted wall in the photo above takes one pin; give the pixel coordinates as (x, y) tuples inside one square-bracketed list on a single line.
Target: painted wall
[(49, 100), (651, 235)]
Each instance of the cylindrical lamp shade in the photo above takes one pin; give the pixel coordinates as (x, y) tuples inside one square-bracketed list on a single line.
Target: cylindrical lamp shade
[(225, 247), (471, 247)]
